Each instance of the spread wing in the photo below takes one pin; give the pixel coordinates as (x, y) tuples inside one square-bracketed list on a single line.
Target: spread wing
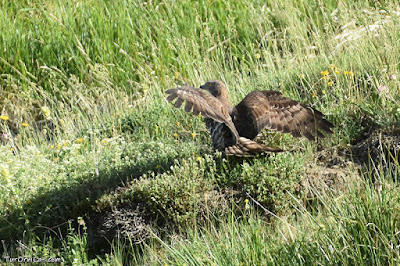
[(202, 102), (269, 109)]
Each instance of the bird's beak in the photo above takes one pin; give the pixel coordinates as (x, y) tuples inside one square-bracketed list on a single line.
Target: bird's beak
[(202, 87)]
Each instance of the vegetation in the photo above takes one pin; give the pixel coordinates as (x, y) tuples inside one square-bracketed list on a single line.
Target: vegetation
[(97, 168)]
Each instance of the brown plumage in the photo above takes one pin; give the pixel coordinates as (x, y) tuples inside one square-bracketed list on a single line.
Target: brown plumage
[(233, 129)]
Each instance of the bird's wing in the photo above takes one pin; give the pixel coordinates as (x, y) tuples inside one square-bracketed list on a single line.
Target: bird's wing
[(202, 102), (269, 109)]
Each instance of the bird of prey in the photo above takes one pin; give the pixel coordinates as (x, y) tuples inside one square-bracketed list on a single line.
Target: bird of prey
[(234, 128)]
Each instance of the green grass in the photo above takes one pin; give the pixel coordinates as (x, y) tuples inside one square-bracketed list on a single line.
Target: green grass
[(86, 129), (361, 228)]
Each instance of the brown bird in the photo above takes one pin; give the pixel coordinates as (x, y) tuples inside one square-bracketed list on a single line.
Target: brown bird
[(234, 128)]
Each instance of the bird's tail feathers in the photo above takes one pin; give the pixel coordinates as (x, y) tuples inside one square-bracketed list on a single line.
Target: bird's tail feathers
[(249, 148)]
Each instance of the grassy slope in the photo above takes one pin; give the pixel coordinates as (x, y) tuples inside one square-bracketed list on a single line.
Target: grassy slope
[(89, 77)]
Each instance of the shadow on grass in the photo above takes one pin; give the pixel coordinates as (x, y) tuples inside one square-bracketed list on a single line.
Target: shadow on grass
[(379, 152), (47, 213)]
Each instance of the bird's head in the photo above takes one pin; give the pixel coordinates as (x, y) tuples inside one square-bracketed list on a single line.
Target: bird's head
[(216, 87)]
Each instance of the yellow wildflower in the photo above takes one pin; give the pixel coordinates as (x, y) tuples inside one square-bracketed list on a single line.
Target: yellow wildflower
[(346, 72), (351, 73), (258, 56), (198, 159), (4, 117), (324, 77), (28, 202), (176, 75), (176, 135), (51, 146), (337, 71), (80, 140), (177, 124), (323, 91), (331, 66), (330, 83), (302, 76), (58, 146), (325, 73), (25, 124), (313, 95), (194, 134), (247, 205)]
